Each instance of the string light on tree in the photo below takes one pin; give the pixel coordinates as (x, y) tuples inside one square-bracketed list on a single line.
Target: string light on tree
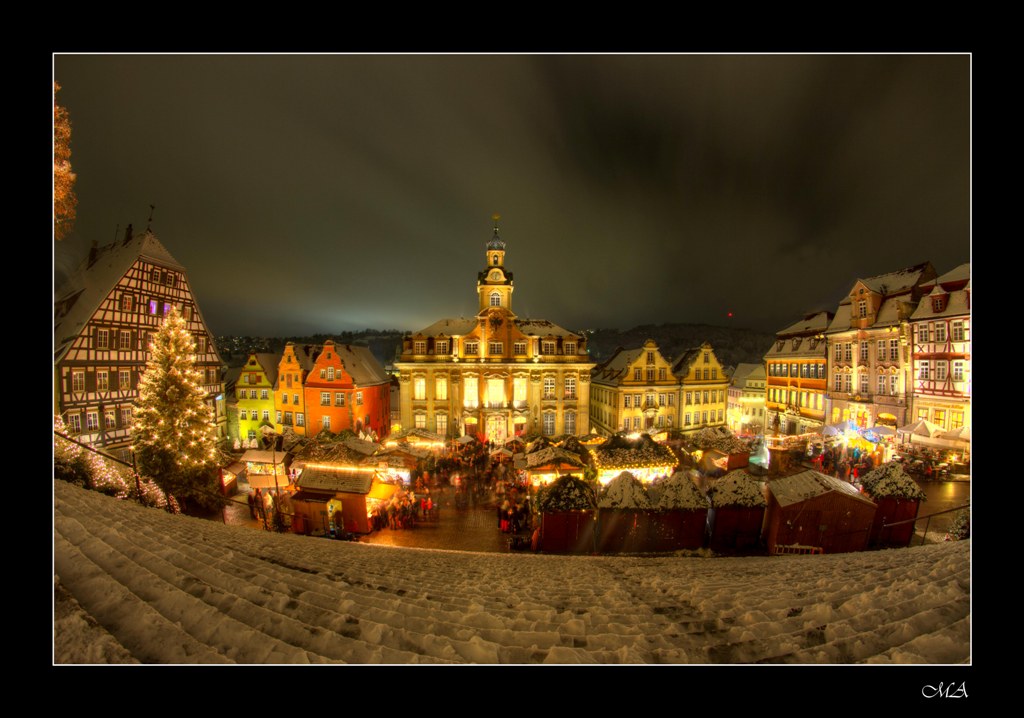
[(173, 433)]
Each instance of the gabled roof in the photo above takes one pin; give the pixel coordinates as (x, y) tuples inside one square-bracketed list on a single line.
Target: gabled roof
[(302, 356), (615, 367), (80, 296), (810, 324), (956, 305), (459, 326), (268, 362), (809, 484), (681, 366), (362, 365), (542, 328), (902, 280), (746, 371), (349, 481), (957, 274)]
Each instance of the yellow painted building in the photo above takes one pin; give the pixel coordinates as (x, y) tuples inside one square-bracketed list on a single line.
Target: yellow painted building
[(796, 366), (634, 391), (253, 393), (494, 375), (703, 389)]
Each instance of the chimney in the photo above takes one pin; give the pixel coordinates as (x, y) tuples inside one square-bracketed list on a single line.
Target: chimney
[(93, 253), (128, 234)]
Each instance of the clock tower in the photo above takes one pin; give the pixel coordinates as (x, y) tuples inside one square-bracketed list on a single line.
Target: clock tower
[(494, 284)]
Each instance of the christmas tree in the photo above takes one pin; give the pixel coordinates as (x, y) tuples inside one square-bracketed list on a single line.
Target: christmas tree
[(173, 434)]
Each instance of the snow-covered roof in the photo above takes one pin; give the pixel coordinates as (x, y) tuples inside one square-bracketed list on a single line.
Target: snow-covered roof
[(737, 488), (414, 433), (551, 455), (807, 346), (268, 361), (957, 274), (808, 484), (259, 456), (677, 492), (618, 451), (459, 326), (812, 324), (349, 481), (615, 368), (745, 372), (956, 305), (624, 492), (360, 362), (126, 578), (80, 295), (890, 480), (542, 328), (902, 280)]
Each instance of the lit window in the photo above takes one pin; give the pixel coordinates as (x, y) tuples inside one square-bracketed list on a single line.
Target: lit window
[(941, 368), (102, 339), (495, 348), (549, 423), (102, 381), (570, 348), (472, 349), (862, 308), (894, 384), (441, 346), (958, 371), (339, 398), (881, 383), (441, 424), (570, 422), (420, 421), (923, 369), (300, 419), (92, 421), (325, 398), (75, 423), (519, 348), (940, 332), (330, 373), (549, 387), (127, 302), (124, 339), (958, 331), (441, 388), (495, 299), (264, 393), (570, 387), (863, 383), (894, 350), (109, 419), (152, 306), (279, 417), (636, 374), (325, 422), (78, 381), (547, 347), (419, 347), (359, 398), (625, 400)]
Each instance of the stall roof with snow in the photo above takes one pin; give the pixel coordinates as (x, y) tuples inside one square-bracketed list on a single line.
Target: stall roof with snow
[(338, 480), (809, 484)]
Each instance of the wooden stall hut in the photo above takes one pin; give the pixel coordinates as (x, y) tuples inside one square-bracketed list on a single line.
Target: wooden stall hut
[(420, 438), (547, 464), (327, 490), (568, 511), (810, 512), (266, 469), (623, 507), (898, 498), (642, 457), (737, 511), (681, 513)]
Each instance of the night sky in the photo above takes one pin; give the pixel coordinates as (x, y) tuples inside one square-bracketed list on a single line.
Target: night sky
[(323, 193)]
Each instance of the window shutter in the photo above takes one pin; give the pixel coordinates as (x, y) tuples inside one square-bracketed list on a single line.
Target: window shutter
[(90, 381)]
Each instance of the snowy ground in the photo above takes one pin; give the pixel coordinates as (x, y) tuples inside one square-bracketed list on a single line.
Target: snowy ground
[(136, 584)]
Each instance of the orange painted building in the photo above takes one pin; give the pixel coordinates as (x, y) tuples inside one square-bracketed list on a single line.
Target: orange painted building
[(347, 388), (289, 395)]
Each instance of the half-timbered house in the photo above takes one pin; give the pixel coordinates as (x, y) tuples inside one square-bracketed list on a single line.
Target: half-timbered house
[(104, 315), (941, 327)]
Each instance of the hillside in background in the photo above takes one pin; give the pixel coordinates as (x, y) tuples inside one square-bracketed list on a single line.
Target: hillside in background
[(732, 346)]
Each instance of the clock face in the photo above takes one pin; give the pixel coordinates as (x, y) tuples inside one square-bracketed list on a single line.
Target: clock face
[(495, 275)]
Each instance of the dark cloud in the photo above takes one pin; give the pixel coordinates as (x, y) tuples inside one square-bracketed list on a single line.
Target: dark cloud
[(330, 192)]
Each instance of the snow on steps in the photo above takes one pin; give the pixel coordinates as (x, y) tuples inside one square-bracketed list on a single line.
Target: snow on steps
[(172, 589)]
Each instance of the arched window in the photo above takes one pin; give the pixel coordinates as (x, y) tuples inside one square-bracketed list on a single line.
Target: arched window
[(494, 260), (495, 299)]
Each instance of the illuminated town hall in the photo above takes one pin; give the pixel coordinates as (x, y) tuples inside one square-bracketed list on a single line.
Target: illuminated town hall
[(495, 374)]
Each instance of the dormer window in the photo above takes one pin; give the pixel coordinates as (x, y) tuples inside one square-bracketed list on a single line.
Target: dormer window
[(938, 303), (862, 308)]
